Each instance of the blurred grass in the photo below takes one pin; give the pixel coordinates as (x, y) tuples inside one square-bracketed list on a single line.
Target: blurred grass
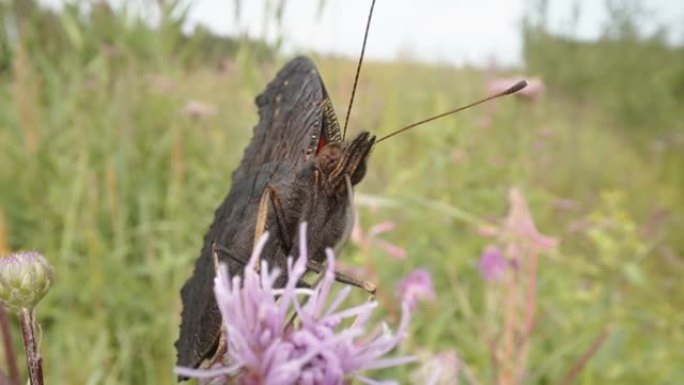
[(105, 173)]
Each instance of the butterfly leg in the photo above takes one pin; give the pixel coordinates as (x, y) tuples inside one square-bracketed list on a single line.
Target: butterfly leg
[(314, 266), (270, 195), (260, 226), (218, 248), (318, 268), (280, 218), (219, 357)]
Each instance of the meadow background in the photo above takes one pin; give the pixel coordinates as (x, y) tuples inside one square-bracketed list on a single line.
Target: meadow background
[(117, 141)]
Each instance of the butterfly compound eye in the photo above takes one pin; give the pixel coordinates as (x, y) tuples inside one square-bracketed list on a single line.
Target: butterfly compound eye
[(328, 157)]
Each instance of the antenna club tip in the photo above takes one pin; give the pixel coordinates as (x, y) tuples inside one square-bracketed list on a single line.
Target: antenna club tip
[(516, 87)]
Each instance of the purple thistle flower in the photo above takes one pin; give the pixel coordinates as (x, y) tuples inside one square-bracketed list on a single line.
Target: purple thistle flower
[(263, 347), (492, 264), (417, 286)]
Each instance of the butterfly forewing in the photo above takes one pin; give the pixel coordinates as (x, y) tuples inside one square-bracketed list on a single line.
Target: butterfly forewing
[(292, 112)]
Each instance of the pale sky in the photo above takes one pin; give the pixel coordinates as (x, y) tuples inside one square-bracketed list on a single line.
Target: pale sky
[(446, 31), (453, 31)]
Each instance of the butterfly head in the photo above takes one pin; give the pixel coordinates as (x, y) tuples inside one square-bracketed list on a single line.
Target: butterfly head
[(338, 160)]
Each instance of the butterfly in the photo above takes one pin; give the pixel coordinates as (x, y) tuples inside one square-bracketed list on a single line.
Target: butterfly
[(297, 168)]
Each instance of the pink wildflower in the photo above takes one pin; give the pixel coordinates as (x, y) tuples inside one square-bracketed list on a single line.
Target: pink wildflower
[(417, 286)]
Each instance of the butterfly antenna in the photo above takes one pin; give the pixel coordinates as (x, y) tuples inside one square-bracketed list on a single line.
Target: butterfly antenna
[(358, 70), (511, 90)]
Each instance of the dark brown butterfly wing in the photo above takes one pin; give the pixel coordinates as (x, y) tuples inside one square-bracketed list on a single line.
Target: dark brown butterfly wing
[(294, 111)]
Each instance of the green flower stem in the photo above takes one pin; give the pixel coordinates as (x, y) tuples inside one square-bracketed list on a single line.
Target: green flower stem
[(35, 362), (14, 378)]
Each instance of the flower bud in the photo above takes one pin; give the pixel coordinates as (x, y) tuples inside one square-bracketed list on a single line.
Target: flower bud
[(25, 277)]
